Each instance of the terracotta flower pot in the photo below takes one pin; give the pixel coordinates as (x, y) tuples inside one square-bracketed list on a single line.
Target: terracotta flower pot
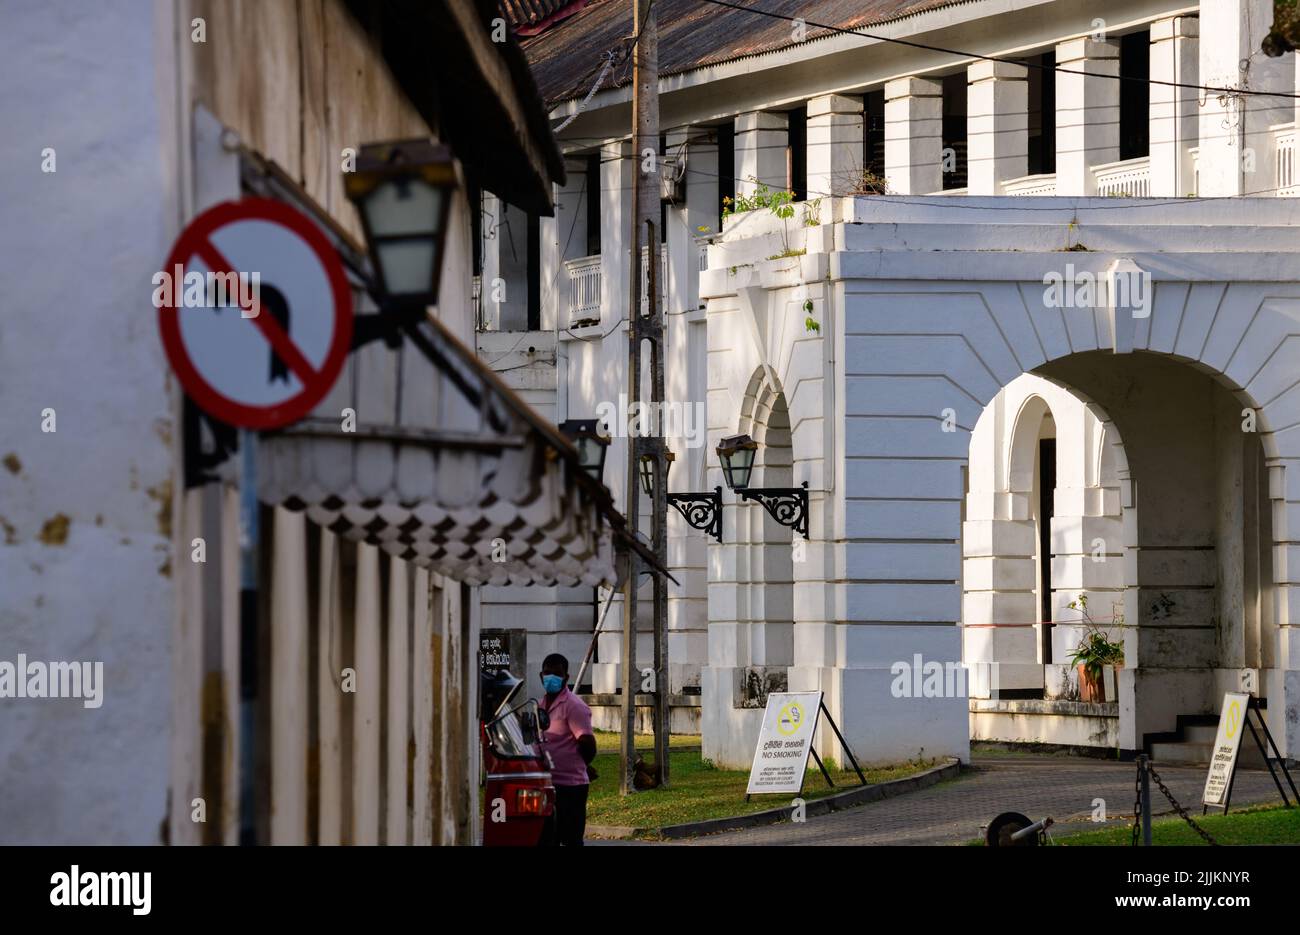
[(1092, 688)]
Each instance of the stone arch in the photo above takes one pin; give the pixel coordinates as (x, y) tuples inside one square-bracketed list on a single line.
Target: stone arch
[(1021, 453), (1243, 337), (751, 611), (770, 575), (1028, 551)]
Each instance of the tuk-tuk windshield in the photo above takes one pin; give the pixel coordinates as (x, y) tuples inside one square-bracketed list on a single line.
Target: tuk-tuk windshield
[(507, 733)]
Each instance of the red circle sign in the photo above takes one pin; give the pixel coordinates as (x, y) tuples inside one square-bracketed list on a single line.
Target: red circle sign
[(271, 368)]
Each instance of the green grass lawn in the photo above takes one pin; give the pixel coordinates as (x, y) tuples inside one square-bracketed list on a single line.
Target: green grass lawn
[(699, 791), (607, 741), (1270, 824)]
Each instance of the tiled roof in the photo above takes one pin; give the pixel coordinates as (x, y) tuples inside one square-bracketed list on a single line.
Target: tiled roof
[(692, 34), (528, 17)]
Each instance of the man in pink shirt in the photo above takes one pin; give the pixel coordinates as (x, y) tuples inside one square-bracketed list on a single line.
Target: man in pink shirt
[(571, 746)]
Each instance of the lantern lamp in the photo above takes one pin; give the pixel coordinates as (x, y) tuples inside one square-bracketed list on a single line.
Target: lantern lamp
[(591, 445), (403, 191)]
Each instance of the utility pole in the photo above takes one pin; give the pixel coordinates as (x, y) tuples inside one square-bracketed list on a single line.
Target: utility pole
[(647, 328)]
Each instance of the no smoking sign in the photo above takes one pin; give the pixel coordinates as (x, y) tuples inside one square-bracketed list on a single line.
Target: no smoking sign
[(266, 361)]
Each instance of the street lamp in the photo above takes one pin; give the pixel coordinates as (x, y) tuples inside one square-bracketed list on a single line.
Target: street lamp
[(736, 454), (591, 445), (702, 511), (648, 471), (787, 505), (403, 191)]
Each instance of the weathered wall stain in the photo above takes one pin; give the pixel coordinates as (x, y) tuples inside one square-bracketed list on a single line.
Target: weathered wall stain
[(55, 530), (162, 493)]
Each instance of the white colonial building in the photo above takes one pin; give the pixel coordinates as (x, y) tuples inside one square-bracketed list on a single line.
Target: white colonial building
[(980, 446)]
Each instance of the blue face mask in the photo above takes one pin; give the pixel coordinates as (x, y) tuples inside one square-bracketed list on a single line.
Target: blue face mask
[(552, 683)]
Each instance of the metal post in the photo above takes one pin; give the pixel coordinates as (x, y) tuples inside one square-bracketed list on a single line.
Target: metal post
[(1277, 755), (248, 573), (843, 744), (628, 660), (1145, 767), (821, 766), (645, 210)]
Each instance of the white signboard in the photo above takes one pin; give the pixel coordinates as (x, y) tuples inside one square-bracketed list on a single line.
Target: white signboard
[(1232, 722), (784, 742)]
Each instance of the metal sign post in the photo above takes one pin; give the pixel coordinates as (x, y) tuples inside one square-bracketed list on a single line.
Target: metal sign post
[(248, 562), (255, 316)]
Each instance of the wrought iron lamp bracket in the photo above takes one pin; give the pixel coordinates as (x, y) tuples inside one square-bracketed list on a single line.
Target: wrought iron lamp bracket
[(703, 511), (787, 505)]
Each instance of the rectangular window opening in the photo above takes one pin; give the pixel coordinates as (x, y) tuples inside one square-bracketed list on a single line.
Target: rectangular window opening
[(592, 197), (726, 165), (1135, 95), (873, 132), (953, 158), (1042, 114), (796, 154)]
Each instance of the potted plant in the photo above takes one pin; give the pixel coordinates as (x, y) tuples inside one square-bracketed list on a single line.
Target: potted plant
[(1094, 652)]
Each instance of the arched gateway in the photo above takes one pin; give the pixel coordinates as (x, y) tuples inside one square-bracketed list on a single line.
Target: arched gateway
[(924, 311)]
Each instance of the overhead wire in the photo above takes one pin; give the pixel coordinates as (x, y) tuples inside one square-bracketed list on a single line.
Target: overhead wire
[(926, 47)]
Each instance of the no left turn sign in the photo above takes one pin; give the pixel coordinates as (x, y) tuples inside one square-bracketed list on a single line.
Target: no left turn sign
[(267, 354)]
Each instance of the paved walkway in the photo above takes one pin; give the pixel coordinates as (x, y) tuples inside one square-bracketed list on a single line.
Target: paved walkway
[(955, 812)]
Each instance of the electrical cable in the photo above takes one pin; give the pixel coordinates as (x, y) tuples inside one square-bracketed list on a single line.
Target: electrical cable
[(992, 58)]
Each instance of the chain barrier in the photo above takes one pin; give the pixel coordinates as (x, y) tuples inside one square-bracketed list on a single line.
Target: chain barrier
[(1182, 812)]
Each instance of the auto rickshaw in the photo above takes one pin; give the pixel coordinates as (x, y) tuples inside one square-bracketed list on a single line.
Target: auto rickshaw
[(518, 795)]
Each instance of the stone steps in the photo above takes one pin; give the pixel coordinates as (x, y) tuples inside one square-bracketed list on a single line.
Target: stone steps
[(1197, 745)]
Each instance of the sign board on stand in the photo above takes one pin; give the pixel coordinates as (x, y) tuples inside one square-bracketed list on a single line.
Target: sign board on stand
[(1234, 721), (1227, 744), (784, 742)]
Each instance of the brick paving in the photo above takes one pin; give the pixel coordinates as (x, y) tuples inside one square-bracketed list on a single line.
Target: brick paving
[(956, 811)]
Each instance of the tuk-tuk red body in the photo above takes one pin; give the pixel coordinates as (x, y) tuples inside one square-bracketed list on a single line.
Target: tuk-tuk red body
[(518, 795)]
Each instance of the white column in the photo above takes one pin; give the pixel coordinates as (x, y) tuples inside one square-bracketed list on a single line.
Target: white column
[(570, 243), (571, 211), (699, 161), (761, 140), (684, 384), (1175, 53), (914, 136), (552, 281), (490, 280), (616, 167), (1237, 148), (997, 120), (834, 144), (998, 548), (677, 238), (1087, 112)]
